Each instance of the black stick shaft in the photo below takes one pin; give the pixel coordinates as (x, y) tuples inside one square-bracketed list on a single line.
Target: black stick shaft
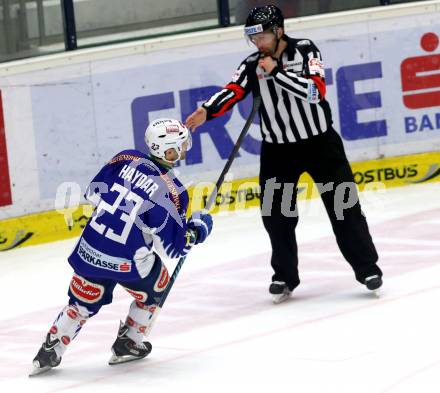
[(255, 106)]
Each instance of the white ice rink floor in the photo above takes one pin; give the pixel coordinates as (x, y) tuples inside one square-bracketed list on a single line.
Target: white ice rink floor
[(219, 331)]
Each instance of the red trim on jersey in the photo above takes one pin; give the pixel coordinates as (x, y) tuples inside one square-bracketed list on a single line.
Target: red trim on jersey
[(320, 84), (239, 94), (173, 191), (5, 183), (124, 157)]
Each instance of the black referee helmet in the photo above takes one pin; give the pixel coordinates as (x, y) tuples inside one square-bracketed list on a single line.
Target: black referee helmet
[(263, 18)]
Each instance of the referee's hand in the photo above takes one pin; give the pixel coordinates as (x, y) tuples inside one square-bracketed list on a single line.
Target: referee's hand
[(195, 119), (267, 63)]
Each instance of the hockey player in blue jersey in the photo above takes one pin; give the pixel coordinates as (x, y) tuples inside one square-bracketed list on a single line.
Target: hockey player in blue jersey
[(139, 217)]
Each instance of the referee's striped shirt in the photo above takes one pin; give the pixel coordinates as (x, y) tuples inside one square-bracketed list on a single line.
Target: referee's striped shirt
[(293, 94)]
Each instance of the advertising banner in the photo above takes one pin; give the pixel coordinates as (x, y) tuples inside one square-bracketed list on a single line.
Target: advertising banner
[(5, 185), (383, 84), (234, 195)]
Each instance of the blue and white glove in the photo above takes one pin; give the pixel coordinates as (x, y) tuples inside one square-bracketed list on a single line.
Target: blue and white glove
[(201, 224)]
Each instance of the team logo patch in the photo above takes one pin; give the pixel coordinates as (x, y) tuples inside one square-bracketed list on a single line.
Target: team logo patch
[(172, 129), (161, 121), (162, 281), (253, 29), (316, 67), (98, 259), (86, 291), (138, 295), (237, 73), (124, 267), (313, 92), (293, 66)]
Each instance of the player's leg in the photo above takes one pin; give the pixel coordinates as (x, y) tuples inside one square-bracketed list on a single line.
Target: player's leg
[(278, 182), (341, 201), (86, 297), (130, 344)]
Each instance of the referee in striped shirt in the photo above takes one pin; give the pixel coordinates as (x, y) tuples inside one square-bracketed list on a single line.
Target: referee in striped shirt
[(296, 126)]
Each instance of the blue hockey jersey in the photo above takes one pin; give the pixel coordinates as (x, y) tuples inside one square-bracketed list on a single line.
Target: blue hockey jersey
[(138, 204)]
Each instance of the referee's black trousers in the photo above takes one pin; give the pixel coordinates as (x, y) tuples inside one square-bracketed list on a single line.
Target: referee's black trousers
[(323, 157)]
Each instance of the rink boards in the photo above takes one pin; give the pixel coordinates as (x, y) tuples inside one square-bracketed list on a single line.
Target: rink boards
[(63, 116), (234, 195)]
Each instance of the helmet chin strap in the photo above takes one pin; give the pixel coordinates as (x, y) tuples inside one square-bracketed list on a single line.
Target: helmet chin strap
[(172, 162), (278, 40)]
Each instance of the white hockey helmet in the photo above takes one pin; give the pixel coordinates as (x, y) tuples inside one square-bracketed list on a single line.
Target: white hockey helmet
[(164, 134)]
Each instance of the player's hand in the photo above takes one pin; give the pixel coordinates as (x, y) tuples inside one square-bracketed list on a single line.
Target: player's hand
[(195, 119), (201, 224), (267, 63)]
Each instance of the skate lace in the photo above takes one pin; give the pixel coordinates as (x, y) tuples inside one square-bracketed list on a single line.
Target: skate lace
[(139, 346)]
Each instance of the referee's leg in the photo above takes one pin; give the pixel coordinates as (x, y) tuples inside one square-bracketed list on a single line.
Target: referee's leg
[(341, 201), (280, 226)]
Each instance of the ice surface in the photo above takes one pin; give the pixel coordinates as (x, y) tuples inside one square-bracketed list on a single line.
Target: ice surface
[(219, 331)]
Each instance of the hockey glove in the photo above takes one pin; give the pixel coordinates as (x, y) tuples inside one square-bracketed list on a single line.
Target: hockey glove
[(201, 224)]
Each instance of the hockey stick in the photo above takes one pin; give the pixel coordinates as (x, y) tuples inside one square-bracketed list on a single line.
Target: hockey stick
[(255, 106)]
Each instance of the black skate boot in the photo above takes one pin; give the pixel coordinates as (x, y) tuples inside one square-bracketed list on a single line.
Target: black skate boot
[(46, 357), (373, 282), (279, 291), (126, 350)]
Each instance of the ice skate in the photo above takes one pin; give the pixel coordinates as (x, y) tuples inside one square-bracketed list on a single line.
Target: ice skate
[(126, 350), (279, 291), (46, 357), (373, 283)]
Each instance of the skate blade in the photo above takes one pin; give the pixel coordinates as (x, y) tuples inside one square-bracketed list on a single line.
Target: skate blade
[(277, 299), (123, 359), (377, 292), (39, 370)]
